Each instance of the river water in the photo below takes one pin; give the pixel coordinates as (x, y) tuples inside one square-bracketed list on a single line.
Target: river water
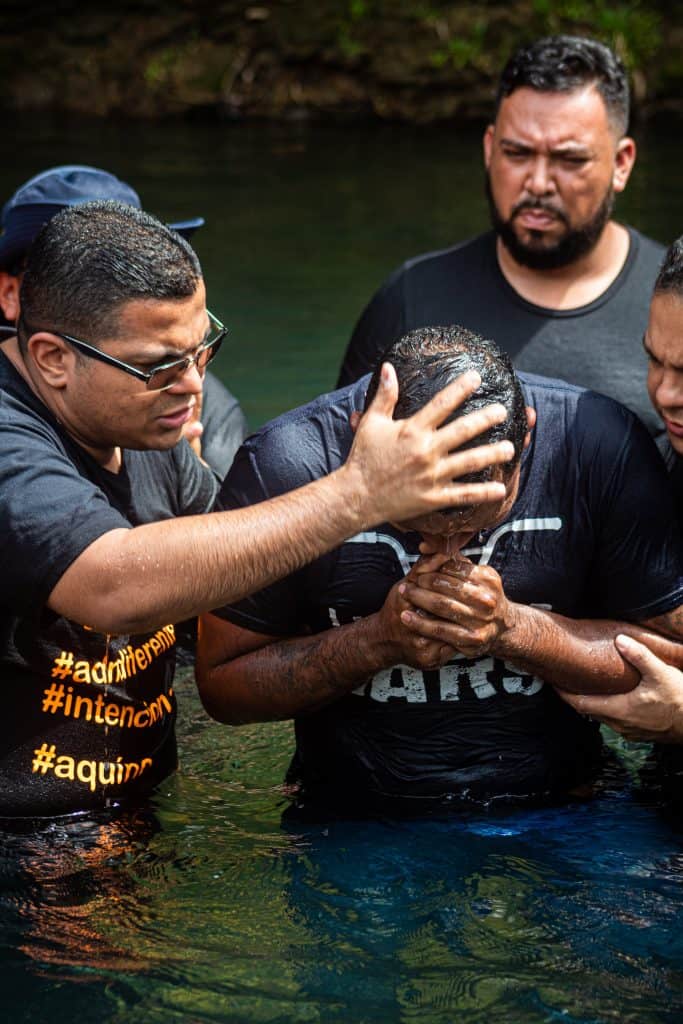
[(206, 907)]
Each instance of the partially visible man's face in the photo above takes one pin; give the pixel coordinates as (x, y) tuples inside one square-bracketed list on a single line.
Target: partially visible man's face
[(553, 165), (103, 406), (664, 346), (9, 295), (448, 532)]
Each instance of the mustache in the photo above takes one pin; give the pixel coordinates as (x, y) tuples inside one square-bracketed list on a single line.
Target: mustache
[(539, 204)]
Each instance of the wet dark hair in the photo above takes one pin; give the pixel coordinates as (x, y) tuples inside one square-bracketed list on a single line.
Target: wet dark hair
[(670, 276), (90, 260), (566, 63), (429, 358)]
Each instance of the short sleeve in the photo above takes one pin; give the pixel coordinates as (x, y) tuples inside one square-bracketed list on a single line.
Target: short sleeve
[(50, 514), (636, 568)]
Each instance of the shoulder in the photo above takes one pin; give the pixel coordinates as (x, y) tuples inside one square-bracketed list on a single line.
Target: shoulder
[(462, 255), (325, 419), (648, 253), (300, 446), (578, 416), (25, 421), (554, 393)]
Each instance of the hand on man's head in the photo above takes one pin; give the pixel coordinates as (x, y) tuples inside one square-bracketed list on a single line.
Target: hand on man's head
[(410, 466)]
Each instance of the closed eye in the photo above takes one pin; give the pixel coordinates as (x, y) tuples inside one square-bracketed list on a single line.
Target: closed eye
[(573, 161)]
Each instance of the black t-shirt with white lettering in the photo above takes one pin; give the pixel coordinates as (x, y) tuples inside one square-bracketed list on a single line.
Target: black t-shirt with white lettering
[(86, 719), (591, 535), (597, 346)]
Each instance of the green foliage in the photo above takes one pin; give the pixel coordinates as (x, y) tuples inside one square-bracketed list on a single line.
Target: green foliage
[(462, 50), (632, 28), (358, 9), (355, 12), (160, 66)]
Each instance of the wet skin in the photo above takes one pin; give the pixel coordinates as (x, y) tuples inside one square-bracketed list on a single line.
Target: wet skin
[(476, 603), (553, 159), (105, 409), (663, 344)]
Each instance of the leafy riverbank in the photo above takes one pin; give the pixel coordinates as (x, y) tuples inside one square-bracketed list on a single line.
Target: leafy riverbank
[(401, 59)]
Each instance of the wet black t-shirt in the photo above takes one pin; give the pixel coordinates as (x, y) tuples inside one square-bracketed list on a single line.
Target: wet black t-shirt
[(85, 718), (597, 346), (674, 465), (591, 534)]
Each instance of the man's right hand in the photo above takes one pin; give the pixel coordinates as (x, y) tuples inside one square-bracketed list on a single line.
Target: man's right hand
[(185, 566), (403, 645), (398, 469)]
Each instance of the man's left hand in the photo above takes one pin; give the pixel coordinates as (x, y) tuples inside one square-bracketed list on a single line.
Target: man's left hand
[(461, 604)]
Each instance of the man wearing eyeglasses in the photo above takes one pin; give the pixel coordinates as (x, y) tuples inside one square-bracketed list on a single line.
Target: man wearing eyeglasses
[(218, 426), (104, 539)]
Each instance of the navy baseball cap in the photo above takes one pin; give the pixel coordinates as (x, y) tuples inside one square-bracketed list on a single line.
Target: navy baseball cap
[(40, 198)]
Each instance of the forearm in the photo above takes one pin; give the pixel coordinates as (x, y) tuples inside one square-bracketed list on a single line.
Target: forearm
[(173, 570), (130, 581), (290, 677), (577, 655)]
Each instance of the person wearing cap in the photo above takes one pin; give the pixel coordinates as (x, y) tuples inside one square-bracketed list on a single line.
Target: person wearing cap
[(223, 425), (105, 541)]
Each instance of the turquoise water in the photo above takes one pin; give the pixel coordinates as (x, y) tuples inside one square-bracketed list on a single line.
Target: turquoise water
[(207, 907)]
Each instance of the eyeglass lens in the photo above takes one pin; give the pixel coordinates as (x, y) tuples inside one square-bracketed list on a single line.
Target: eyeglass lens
[(167, 376)]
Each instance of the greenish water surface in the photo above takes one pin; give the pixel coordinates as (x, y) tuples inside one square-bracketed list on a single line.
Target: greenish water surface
[(207, 908), (305, 220)]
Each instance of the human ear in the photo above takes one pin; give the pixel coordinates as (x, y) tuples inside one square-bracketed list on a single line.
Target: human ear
[(488, 145), (531, 423), (624, 159), (9, 296), (52, 358)]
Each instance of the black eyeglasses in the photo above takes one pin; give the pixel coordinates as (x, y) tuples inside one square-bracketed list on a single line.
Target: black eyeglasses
[(161, 377)]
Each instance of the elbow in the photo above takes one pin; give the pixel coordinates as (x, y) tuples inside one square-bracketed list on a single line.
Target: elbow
[(217, 709), (111, 618), (217, 699)]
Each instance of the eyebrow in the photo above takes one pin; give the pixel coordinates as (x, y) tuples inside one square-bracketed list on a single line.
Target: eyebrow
[(172, 357), (564, 149), (675, 366)]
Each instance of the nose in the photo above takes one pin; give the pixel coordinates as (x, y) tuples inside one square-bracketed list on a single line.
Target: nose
[(191, 381), (539, 180), (669, 390)]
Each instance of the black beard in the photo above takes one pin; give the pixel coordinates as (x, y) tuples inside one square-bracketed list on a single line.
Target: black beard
[(577, 242)]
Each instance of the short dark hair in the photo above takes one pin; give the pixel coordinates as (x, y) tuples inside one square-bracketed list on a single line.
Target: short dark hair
[(670, 276), (566, 63), (429, 358), (90, 260)]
